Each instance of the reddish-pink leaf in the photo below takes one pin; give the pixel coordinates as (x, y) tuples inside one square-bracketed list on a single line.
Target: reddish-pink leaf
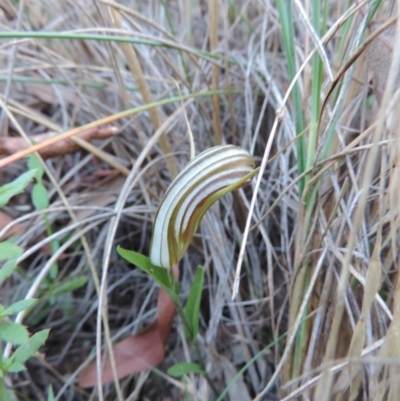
[(11, 145), (140, 351), (16, 229)]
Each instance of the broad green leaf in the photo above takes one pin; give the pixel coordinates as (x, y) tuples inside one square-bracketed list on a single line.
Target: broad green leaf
[(19, 306), (40, 197), (7, 269), (160, 274), (8, 250), (35, 163), (15, 187), (14, 333), (24, 352), (192, 307), (184, 368), (16, 367), (70, 286)]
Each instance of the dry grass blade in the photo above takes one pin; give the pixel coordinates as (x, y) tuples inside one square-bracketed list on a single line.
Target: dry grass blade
[(316, 314), (356, 55), (316, 40), (213, 32), (136, 69)]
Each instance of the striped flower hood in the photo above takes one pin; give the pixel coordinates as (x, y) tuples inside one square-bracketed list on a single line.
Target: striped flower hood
[(205, 179)]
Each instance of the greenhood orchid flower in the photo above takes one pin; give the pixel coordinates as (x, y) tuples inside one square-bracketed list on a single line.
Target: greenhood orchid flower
[(205, 179)]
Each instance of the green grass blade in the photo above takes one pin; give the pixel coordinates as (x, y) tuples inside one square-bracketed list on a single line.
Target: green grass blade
[(247, 365), (105, 38), (286, 21), (184, 368)]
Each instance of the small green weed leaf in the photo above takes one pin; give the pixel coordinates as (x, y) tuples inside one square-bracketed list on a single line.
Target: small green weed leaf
[(40, 197), (5, 364), (8, 396), (35, 163), (16, 367), (14, 333), (192, 307), (19, 306), (38, 339), (7, 269), (8, 250), (70, 286), (15, 187), (24, 352), (184, 368), (160, 274), (50, 393)]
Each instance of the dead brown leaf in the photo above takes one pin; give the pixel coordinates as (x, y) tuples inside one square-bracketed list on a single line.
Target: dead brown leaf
[(16, 229)]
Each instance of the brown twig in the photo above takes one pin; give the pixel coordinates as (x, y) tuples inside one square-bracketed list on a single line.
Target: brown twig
[(12, 145)]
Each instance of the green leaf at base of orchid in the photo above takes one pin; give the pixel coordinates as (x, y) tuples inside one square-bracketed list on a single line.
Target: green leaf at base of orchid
[(192, 307), (162, 276)]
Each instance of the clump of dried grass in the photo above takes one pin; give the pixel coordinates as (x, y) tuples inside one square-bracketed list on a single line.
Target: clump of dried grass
[(329, 271)]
